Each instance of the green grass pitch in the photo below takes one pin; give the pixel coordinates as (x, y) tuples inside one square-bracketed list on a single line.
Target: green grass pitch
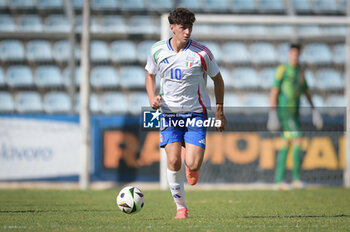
[(324, 209)]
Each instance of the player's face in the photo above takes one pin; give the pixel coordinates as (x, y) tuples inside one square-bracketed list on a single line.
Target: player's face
[(182, 33), (294, 57)]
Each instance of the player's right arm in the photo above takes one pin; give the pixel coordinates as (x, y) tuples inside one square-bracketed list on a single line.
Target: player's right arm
[(273, 123), (273, 97), (275, 90), (154, 100), (150, 81)]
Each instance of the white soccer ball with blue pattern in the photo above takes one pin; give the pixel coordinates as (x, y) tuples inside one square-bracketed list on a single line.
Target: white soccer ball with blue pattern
[(130, 200)]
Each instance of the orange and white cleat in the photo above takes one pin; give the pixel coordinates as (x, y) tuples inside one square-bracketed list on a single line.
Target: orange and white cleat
[(181, 213), (191, 176)]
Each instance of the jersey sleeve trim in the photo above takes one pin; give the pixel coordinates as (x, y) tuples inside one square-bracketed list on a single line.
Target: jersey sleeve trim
[(203, 48), (155, 54), (204, 64)]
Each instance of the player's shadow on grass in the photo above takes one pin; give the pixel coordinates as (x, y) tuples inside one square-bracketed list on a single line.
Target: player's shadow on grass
[(298, 216)]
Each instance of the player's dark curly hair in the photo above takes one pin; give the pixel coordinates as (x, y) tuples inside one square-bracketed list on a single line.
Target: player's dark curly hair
[(295, 45), (181, 16)]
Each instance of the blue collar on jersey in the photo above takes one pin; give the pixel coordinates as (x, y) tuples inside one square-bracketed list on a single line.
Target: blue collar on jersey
[(171, 48)]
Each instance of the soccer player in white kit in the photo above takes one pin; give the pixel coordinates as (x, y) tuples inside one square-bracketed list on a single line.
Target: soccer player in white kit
[(183, 65)]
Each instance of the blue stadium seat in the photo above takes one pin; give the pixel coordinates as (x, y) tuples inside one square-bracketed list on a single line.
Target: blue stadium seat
[(214, 47), (28, 102), (49, 4), (2, 78), (104, 77), (202, 29), (160, 5), (334, 30), (339, 56), (245, 77), (137, 100), (194, 5), (144, 25), (132, 77), (104, 4), (325, 6), (215, 5), (48, 76), (267, 75), (7, 23), (144, 49), (310, 78), (21, 4), (271, 6), (39, 50), (342, 6), (6, 102), (235, 52), (11, 50), (255, 103), (316, 53), (280, 30), (57, 102), (114, 24), (61, 51), (3, 4), (227, 77), (30, 23), (309, 30), (329, 78), (94, 103), (224, 29), (99, 51), (253, 29), (244, 6), (57, 23), (123, 51), (113, 103), (317, 100), (77, 4), (77, 76), (232, 100), (133, 5), (262, 53), (19, 76), (256, 100), (282, 52), (335, 101), (94, 26), (336, 104), (302, 6)]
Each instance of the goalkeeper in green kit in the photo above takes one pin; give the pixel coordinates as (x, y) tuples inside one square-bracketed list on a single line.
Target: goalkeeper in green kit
[(289, 84)]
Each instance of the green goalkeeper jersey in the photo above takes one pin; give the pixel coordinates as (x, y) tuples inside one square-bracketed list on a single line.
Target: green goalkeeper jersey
[(291, 84)]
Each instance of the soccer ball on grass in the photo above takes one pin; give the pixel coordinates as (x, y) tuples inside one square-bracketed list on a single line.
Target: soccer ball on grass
[(130, 199)]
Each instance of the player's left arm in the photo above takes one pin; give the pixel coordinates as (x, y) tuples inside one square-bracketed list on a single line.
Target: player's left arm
[(219, 89)]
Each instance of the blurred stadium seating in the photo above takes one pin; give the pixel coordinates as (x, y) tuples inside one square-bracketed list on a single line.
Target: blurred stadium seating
[(34, 49), (28, 102), (104, 77), (57, 102)]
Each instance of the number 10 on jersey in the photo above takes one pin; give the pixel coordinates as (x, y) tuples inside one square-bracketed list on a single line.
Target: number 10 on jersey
[(175, 73)]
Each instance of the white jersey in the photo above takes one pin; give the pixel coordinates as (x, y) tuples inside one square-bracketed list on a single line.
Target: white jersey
[(183, 75)]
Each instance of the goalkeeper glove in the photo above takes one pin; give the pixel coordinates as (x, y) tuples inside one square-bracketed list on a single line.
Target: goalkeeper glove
[(273, 123), (317, 119)]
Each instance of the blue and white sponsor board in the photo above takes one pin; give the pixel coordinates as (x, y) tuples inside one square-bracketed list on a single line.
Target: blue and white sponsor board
[(38, 149)]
